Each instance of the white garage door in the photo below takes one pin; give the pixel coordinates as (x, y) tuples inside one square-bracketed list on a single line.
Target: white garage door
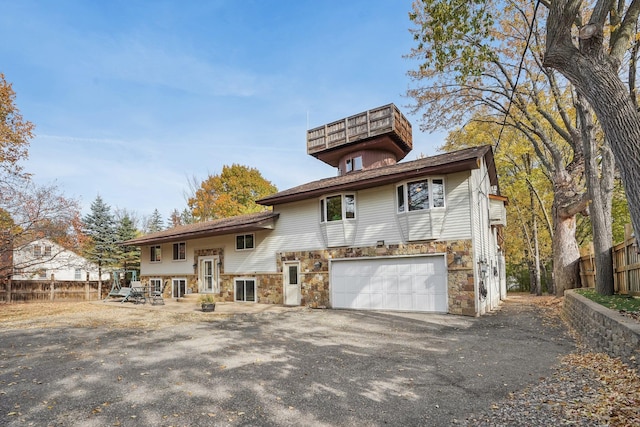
[(403, 284)]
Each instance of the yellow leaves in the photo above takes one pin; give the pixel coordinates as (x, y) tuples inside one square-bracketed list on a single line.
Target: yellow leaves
[(232, 192)]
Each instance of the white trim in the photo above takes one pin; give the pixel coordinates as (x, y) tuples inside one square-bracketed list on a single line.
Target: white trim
[(343, 205), (173, 251), (244, 236), (173, 286), (405, 193), (214, 259), (255, 289), (285, 283)]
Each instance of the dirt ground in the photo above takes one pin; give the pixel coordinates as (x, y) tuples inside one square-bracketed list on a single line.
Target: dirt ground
[(94, 364)]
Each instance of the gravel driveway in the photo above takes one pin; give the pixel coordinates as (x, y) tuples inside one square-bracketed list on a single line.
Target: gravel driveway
[(293, 368)]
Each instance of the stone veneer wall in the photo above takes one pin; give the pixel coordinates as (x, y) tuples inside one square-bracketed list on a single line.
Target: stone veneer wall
[(314, 274), (603, 329)]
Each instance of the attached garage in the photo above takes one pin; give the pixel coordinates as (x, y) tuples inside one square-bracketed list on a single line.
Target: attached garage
[(402, 284)]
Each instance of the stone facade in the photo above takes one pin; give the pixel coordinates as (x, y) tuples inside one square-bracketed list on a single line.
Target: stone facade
[(314, 273), (603, 329)]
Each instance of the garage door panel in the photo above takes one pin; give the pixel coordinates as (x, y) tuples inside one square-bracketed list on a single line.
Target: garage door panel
[(405, 284)]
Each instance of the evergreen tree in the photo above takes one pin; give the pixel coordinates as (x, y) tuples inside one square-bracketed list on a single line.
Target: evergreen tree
[(101, 229), (155, 222), (128, 256)]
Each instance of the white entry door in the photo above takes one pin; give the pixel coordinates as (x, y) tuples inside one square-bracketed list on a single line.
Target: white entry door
[(291, 281), (402, 284), (208, 279)]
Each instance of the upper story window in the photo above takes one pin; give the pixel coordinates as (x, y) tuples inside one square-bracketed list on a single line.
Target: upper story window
[(77, 274), (47, 250), (354, 164), (179, 251), (245, 242), (155, 253), (338, 207), (37, 251), (420, 195)]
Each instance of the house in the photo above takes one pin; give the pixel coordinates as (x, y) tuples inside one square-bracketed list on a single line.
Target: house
[(43, 259), (421, 235)]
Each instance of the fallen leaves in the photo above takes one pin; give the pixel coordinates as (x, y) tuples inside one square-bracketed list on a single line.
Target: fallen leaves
[(617, 401)]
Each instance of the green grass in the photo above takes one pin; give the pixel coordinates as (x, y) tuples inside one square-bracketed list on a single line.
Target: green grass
[(614, 302)]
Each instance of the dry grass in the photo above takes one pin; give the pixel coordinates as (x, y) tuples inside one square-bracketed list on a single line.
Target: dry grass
[(90, 314)]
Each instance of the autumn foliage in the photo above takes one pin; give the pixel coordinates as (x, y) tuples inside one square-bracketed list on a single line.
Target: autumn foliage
[(230, 193)]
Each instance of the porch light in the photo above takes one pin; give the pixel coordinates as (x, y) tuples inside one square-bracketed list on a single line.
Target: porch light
[(380, 243)]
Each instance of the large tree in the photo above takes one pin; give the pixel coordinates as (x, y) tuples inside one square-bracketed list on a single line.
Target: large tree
[(100, 226), (232, 192), (481, 63), (587, 42), (128, 257), (29, 212), (15, 132)]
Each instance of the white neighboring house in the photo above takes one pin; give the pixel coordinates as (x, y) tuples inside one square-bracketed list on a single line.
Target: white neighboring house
[(43, 259)]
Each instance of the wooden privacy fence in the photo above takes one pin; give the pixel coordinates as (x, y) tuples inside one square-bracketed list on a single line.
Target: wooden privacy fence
[(626, 266), (47, 290)]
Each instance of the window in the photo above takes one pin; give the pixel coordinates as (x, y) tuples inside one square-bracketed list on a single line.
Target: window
[(155, 253), (155, 285), (179, 251), (337, 208), (244, 242), (78, 274), (37, 251), (42, 274), (47, 251), (354, 164), (420, 195), (293, 274), (245, 290)]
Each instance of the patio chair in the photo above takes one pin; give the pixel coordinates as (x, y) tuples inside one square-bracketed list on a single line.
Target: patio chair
[(156, 296)]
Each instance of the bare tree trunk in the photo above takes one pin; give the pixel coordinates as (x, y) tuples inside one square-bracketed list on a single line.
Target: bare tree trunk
[(600, 190), (566, 254)]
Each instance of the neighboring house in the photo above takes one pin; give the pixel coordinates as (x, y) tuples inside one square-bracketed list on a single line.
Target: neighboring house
[(43, 260), (423, 235)]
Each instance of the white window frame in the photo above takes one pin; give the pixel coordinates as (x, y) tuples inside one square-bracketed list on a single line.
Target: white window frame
[(151, 253), (353, 164), (215, 283), (245, 279), (77, 274), (175, 280), (402, 190), (324, 217), (176, 250), (244, 242), (155, 284)]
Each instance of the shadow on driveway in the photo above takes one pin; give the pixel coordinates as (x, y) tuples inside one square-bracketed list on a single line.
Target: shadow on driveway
[(299, 367)]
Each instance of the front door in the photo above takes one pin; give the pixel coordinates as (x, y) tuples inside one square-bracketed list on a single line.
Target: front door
[(291, 282), (208, 280)]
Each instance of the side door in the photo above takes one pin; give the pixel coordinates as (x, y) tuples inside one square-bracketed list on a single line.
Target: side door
[(291, 283)]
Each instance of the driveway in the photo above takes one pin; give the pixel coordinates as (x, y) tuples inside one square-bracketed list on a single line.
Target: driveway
[(286, 368)]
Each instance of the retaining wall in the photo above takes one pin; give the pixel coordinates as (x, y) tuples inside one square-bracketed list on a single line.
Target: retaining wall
[(602, 329)]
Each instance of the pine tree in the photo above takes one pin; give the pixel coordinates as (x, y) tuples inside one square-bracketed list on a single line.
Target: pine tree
[(128, 256), (101, 229), (155, 223)]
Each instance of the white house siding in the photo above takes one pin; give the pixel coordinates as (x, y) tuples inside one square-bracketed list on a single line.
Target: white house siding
[(62, 264), (456, 224), (376, 216)]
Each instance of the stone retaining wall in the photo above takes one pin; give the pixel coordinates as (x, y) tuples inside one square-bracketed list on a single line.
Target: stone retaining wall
[(602, 329)]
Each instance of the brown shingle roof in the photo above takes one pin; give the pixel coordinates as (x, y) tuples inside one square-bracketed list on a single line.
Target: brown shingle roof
[(466, 159), (236, 224)]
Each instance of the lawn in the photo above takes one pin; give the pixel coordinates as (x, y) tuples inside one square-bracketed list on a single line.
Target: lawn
[(624, 303)]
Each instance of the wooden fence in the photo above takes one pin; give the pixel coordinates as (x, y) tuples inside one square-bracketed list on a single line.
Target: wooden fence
[(626, 266), (48, 290)]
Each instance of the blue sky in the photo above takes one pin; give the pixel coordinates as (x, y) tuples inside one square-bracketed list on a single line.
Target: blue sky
[(132, 99)]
